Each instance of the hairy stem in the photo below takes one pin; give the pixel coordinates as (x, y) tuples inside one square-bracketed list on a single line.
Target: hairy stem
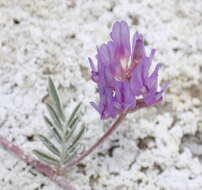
[(40, 167), (94, 146)]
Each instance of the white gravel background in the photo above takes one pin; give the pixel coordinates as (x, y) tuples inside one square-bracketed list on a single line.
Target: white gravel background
[(159, 148)]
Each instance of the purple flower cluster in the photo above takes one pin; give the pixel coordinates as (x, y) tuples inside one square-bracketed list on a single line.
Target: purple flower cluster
[(122, 74)]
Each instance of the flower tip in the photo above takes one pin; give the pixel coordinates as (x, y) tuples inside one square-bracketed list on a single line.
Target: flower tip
[(119, 22), (95, 106), (91, 64), (152, 54), (138, 36), (165, 86), (89, 59)]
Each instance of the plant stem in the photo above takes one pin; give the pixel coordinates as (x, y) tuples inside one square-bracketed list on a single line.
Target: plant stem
[(139, 105), (92, 148), (42, 168)]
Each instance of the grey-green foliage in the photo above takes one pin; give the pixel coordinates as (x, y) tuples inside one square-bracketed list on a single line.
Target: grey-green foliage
[(65, 146)]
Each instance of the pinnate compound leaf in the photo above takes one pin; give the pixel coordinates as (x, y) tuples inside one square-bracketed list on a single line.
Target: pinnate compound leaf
[(64, 131)]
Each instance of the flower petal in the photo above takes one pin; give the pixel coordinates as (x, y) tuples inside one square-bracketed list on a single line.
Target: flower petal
[(155, 97), (138, 50), (121, 37), (124, 97), (137, 80), (152, 81)]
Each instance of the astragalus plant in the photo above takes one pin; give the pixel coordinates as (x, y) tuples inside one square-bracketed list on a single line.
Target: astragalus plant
[(125, 85)]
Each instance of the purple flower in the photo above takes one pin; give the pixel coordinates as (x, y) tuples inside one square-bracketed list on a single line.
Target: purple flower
[(122, 74)]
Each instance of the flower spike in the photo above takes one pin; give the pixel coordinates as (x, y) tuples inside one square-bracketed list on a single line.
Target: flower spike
[(123, 76)]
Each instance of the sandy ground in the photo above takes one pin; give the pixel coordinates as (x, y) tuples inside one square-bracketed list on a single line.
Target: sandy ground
[(154, 149)]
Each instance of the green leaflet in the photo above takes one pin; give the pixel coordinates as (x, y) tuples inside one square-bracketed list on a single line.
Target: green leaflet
[(46, 158), (76, 139), (79, 135), (74, 113), (55, 99), (70, 156), (54, 130), (70, 132), (49, 145), (73, 122), (54, 116)]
